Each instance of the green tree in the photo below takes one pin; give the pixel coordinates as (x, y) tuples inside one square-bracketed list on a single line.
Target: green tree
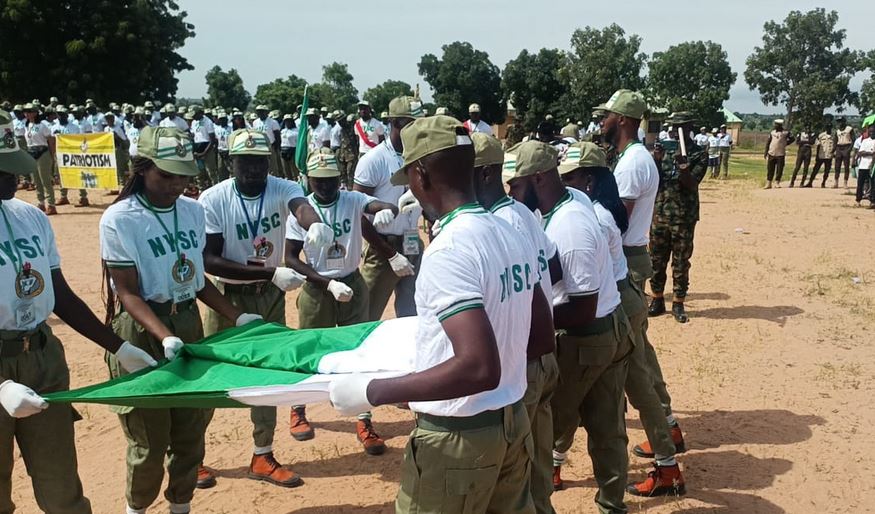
[(336, 90), (463, 76), (380, 95), (694, 76), (803, 65), (599, 63), (125, 50), (225, 88), (532, 82), (867, 91), (285, 94)]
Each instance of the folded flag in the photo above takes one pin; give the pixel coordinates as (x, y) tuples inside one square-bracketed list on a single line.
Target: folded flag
[(260, 364)]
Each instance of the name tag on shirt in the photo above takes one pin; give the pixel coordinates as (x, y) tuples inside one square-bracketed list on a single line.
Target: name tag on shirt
[(335, 257), (25, 314), (184, 294), (411, 242)]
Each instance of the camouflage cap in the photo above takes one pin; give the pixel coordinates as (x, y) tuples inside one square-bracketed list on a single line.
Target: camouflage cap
[(582, 155), (426, 136), (405, 107), (248, 142), (322, 164), (528, 158), (487, 150), (169, 148), (626, 103), (13, 159), (680, 118)]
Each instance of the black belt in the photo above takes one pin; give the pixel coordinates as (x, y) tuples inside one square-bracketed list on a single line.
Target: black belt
[(631, 251), (623, 284), (248, 289), (488, 418), (593, 328), (169, 308), (15, 342)]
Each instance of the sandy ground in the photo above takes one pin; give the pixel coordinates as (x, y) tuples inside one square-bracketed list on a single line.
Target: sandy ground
[(770, 379)]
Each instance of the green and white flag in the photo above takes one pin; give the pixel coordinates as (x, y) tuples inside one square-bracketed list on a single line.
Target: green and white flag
[(260, 364)]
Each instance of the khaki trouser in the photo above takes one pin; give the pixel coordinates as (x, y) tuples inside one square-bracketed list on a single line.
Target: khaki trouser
[(592, 375), (46, 440), (223, 163), (122, 162), (382, 281), (156, 434), (542, 375), (276, 164), (45, 189), (448, 468), (640, 383), (211, 163), (290, 169), (724, 160), (317, 307), (269, 301)]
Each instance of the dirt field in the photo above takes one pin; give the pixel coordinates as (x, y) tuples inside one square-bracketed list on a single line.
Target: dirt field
[(770, 378)]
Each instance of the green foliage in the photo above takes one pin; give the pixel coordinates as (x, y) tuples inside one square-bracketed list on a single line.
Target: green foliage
[(463, 76), (285, 94), (694, 76), (335, 91), (225, 88), (803, 65), (532, 82), (867, 91), (119, 50), (380, 95), (599, 63)]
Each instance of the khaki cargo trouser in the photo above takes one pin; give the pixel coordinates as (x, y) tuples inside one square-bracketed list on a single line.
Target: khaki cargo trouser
[(46, 440), (156, 434), (317, 307), (382, 281), (43, 179), (542, 375)]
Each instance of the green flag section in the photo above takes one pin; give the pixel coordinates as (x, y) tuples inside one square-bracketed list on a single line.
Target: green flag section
[(303, 136), (259, 364)]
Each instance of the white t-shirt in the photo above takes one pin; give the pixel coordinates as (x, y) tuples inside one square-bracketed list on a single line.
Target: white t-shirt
[(176, 122), (38, 134), (118, 130), (580, 196), (222, 133), (132, 236), (97, 121), (867, 145), (19, 127), (373, 129), (268, 126), (201, 130), (641, 134), (615, 241), (725, 140), (344, 216), (334, 135), (85, 125), (480, 126), (701, 139), (375, 170), (477, 261), (69, 128), (584, 255), (638, 180), (664, 136), (318, 136), (133, 134), (28, 298), (524, 221), (225, 215), (289, 137)]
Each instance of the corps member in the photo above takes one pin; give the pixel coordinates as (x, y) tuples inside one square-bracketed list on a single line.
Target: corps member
[(335, 293), (481, 311), (152, 243), (369, 130), (41, 146), (245, 226), (32, 359)]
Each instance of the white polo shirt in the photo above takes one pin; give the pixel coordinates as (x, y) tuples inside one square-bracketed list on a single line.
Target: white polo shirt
[(176, 122), (477, 261), (38, 134), (375, 170), (344, 216), (584, 255), (637, 179), (233, 215), (28, 296), (201, 130), (131, 235), (372, 129)]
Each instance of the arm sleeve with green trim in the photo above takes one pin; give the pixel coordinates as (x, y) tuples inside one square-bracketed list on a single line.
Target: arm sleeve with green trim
[(115, 248), (450, 282)]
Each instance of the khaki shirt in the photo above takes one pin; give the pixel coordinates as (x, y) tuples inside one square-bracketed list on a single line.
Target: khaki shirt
[(778, 143), (845, 136), (825, 146)]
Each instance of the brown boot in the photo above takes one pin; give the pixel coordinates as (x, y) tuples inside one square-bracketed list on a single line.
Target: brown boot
[(83, 202), (372, 442), (558, 484), (662, 481), (63, 201), (299, 427), (205, 478), (644, 449), (267, 469), (51, 211), (41, 207)]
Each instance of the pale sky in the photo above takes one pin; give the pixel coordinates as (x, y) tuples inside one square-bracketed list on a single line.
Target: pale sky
[(384, 39)]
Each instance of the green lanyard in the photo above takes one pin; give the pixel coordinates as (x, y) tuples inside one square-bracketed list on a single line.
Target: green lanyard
[(16, 263), (562, 201), (173, 240), (333, 213), (630, 145), (473, 208)]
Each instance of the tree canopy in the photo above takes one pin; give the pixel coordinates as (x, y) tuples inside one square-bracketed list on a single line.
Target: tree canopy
[(533, 84), (124, 50), (285, 94), (335, 91), (380, 95), (225, 88)]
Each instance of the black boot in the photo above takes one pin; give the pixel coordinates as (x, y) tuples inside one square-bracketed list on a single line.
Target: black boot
[(677, 310), (657, 307)]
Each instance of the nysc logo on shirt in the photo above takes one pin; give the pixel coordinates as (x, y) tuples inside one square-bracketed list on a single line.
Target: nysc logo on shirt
[(183, 270), (515, 279)]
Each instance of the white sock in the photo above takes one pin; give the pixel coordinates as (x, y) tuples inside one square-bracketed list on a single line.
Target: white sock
[(665, 461), (263, 450), (180, 508), (558, 458), (671, 421), (364, 415), (131, 510)]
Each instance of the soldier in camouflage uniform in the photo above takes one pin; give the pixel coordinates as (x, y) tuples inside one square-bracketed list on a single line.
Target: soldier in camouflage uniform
[(347, 154), (675, 215)]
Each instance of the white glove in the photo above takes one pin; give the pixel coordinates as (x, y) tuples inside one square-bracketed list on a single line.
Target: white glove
[(246, 318), (401, 266), (319, 235), (435, 228), (21, 401), (383, 218), (408, 202), (287, 279), (349, 394), (342, 292), (133, 359), (172, 345)]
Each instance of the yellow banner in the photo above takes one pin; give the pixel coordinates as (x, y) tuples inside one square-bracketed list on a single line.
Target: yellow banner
[(87, 161)]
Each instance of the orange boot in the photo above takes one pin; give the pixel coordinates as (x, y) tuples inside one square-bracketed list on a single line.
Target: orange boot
[(662, 481), (267, 469), (205, 478), (299, 426), (366, 435), (677, 437), (558, 484)]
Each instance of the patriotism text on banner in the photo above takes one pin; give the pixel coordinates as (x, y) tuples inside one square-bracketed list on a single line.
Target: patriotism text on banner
[(87, 161)]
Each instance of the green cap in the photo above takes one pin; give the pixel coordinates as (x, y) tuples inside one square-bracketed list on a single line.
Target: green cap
[(528, 158), (487, 150), (426, 136), (680, 118), (582, 155), (312, 111), (288, 117), (405, 107), (274, 113), (261, 107), (13, 159), (322, 164), (626, 103), (169, 148), (248, 142)]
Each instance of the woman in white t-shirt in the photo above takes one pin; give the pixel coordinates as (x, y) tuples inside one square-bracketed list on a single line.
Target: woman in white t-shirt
[(151, 244)]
